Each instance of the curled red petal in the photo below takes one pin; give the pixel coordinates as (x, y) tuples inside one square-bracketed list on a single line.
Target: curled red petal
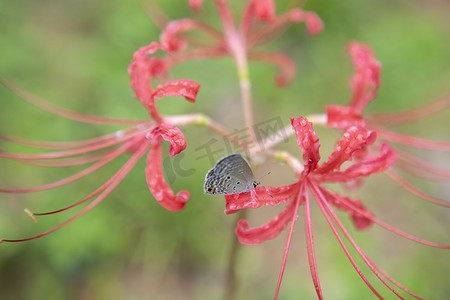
[(360, 221), (308, 141), (287, 67), (364, 168), (367, 76), (170, 134), (265, 33), (171, 39), (314, 24), (179, 87), (262, 196), (375, 165), (354, 139), (142, 69), (270, 230), (158, 185), (343, 117)]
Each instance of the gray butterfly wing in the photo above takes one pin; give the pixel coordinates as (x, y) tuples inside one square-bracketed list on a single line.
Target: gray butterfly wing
[(230, 175), (231, 162)]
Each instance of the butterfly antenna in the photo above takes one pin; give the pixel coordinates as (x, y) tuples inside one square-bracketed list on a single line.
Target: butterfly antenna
[(258, 183), (264, 176)]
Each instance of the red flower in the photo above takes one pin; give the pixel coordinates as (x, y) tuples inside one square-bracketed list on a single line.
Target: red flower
[(310, 180), (258, 23), (144, 137), (364, 85)]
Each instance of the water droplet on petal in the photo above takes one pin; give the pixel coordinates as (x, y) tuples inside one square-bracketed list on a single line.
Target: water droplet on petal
[(306, 144), (120, 134)]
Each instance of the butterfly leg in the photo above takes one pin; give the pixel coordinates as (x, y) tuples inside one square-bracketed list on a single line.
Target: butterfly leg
[(251, 195)]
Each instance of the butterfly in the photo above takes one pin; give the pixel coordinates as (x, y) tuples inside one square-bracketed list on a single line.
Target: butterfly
[(232, 174)]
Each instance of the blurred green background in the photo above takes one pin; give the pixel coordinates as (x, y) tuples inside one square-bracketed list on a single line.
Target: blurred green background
[(75, 54)]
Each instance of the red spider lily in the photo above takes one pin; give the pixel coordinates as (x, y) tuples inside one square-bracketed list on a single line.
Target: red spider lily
[(145, 136), (258, 25), (364, 85), (258, 22), (310, 180)]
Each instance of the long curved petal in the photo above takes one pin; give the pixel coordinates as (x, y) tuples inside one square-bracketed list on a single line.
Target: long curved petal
[(270, 230), (158, 185), (142, 69), (287, 68), (367, 167)]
